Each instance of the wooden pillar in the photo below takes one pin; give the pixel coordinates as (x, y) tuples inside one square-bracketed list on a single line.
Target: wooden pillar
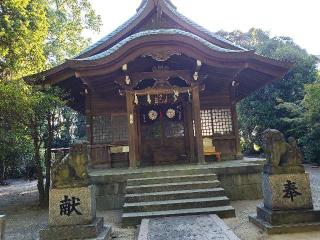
[(88, 115), (132, 131), (197, 124), (236, 131), (189, 131)]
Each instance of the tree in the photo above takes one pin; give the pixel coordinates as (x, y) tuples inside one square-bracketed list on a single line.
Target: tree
[(13, 134), (44, 103), (311, 141), (23, 30), (34, 35), (278, 105), (68, 21)]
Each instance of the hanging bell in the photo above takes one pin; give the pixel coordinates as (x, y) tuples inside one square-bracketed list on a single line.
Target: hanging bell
[(149, 99), (136, 100)]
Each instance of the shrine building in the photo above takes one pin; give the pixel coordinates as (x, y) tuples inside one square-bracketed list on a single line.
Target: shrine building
[(161, 89)]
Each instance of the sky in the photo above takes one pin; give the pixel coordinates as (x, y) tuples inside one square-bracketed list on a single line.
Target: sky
[(298, 19)]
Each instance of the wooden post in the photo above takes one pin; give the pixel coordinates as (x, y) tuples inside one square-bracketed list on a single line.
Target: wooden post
[(197, 124), (236, 131), (132, 131), (189, 131), (88, 114)]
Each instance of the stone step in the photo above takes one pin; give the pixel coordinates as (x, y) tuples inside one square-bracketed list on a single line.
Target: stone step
[(172, 186), (170, 179), (175, 204), (172, 195), (173, 171), (129, 219)]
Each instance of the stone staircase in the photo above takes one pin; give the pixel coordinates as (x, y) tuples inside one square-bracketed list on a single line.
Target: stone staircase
[(174, 193)]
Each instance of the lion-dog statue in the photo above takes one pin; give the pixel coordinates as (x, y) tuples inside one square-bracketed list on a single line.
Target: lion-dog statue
[(282, 156), (71, 170)]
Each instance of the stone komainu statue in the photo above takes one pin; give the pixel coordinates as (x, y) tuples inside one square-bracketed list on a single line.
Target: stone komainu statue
[(72, 170), (282, 156)]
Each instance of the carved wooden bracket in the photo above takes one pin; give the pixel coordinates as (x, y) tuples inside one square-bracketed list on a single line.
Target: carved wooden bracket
[(163, 55)]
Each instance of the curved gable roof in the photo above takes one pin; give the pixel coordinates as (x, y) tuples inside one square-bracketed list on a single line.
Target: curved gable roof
[(144, 9)]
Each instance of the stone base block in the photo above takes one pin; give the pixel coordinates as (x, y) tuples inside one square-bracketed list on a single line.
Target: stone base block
[(96, 230), (287, 191), (2, 226), (276, 222), (72, 206)]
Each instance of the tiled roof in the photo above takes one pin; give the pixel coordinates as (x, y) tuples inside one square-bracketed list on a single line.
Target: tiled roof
[(158, 32), (117, 30)]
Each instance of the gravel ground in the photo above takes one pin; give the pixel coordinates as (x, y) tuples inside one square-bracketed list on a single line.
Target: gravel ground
[(24, 219)]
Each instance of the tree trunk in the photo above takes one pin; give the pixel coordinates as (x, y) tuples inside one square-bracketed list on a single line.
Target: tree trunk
[(50, 122), (37, 159)]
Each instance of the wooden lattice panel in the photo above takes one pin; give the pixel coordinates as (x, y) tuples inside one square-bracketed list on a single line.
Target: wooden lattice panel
[(206, 122), (222, 121), (109, 128), (216, 121)]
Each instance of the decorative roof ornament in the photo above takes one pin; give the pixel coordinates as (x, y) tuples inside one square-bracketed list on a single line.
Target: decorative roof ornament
[(162, 56), (156, 2)]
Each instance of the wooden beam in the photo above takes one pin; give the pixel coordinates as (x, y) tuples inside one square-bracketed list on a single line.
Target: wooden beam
[(197, 124), (132, 132)]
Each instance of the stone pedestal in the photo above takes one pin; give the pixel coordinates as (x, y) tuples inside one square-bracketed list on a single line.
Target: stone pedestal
[(85, 209), (287, 205), (72, 215), (287, 191), (2, 226)]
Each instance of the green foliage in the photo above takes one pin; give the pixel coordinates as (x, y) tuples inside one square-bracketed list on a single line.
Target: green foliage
[(282, 104), (311, 141), (23, 30), (68, 21), (34, 35)]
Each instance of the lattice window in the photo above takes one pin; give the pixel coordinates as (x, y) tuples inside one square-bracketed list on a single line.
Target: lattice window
[(109, 128), (206, 122), (216, 122), (119, 127), (222, 121)]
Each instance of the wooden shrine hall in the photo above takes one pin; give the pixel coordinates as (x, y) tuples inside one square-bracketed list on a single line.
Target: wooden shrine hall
[(160, 89)]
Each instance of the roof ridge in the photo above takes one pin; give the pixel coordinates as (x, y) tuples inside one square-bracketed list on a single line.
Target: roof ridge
[(140, 9)]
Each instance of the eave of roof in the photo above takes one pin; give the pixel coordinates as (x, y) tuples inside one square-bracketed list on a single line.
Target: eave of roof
[(154, 33)]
